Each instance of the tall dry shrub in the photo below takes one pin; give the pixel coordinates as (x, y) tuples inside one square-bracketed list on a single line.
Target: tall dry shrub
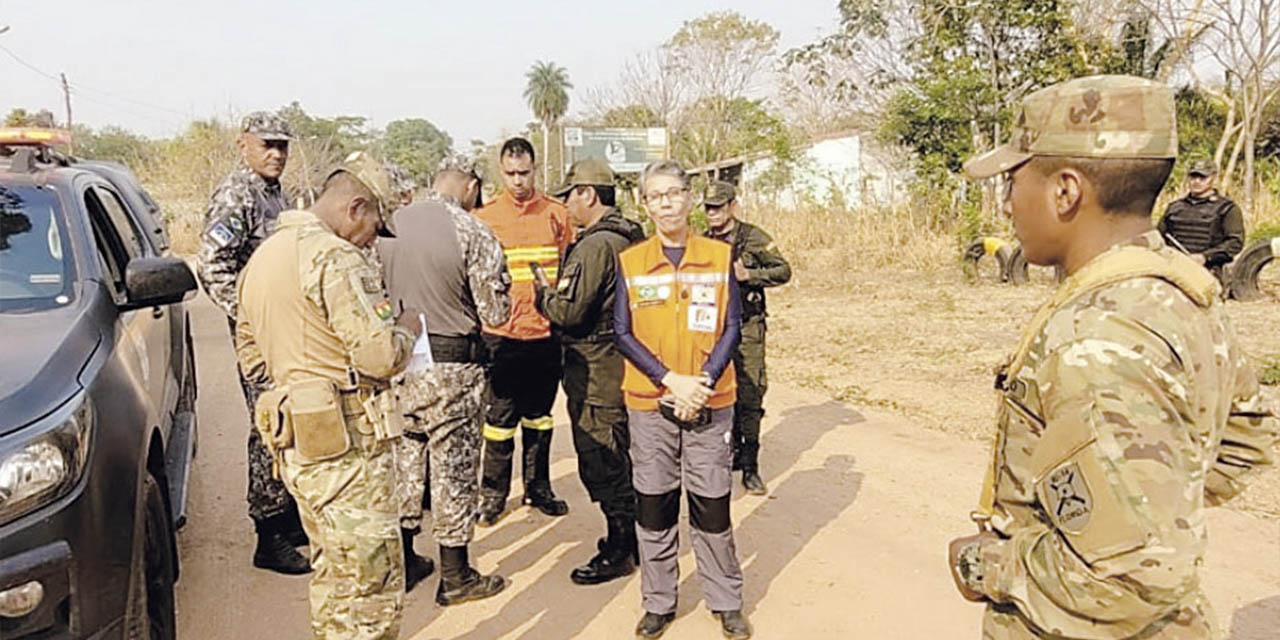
[(185, 170)]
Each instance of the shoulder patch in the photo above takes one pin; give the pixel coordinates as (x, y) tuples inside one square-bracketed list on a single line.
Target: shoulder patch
[(221, 235), (370, 284), (1070, 501)]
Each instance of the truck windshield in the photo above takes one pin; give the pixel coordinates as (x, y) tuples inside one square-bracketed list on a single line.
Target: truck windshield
[(34, 267)]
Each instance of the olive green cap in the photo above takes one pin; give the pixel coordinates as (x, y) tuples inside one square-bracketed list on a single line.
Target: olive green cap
[(374, 176), (1107, 116), (719, 193), (1203, 167), (585, 172)]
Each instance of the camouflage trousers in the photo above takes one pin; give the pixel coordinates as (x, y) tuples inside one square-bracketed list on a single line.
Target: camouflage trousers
[(1194, 621), (267, 496), (348, 510), (753, 382), (445, 409)]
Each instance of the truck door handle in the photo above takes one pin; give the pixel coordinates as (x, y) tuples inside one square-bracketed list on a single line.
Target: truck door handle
[(157, 312)]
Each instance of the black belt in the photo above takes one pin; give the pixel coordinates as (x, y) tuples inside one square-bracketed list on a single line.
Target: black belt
[(461, 349)]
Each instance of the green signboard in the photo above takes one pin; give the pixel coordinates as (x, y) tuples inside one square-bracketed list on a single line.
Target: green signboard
[(626, 150)]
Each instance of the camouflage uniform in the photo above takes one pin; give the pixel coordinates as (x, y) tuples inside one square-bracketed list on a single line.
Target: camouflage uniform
[(1127, 407), (445, 404), (766, 268), (242, 212), (313, 308)]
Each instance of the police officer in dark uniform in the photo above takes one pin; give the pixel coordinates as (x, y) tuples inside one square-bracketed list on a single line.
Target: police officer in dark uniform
[(756, 264), (243, 211), (580, 308), (1205, 224)]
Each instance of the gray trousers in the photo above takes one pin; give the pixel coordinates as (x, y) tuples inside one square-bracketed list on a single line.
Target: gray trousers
[(664, 458)]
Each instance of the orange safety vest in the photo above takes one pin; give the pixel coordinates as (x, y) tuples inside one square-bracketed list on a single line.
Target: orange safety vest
[(536, 230), (678, 313)]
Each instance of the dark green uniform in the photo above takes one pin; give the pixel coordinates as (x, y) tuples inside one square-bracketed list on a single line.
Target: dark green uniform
[(767, 268), (580, 309)]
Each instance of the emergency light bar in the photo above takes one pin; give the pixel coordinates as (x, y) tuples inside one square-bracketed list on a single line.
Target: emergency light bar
[(34, 136)]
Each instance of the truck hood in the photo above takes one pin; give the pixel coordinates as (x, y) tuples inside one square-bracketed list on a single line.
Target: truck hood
[(41, 355)]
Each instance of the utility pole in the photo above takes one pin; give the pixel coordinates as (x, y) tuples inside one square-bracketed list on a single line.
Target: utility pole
[(66, 94)]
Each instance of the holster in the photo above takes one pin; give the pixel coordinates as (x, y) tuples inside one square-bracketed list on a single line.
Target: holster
[(319, 426), (382, 410), (274, 424)]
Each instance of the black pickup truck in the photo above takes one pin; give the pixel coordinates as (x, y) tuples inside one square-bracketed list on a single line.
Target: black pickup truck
[(97, 399)]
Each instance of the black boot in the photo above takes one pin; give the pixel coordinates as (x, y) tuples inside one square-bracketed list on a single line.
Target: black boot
[(496, 481), (537, 473), (274, 551), (291, 526), (616, 557), (459, 582), (653, 625), (416, 567), (733, 624), (751, 479)]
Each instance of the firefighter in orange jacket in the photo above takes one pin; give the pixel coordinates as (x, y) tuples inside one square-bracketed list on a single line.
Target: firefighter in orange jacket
[(524, 359), (677, 320)]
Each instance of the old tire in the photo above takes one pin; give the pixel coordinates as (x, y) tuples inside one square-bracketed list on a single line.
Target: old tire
[(151, 614), (993, 247), (1245, 270), (1018, 272)]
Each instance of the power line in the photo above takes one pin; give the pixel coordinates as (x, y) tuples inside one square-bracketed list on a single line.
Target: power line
[(82, 89)]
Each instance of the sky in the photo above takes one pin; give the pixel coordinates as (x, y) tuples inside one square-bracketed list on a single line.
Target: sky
[(153, 66)]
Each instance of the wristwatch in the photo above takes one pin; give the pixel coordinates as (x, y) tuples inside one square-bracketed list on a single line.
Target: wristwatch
[(969, 566)]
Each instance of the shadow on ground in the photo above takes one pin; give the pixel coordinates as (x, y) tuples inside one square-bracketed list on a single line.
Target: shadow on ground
[(1256, 621), (808, 500)]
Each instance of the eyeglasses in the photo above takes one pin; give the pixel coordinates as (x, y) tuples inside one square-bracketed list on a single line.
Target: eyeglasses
[(674, 194)]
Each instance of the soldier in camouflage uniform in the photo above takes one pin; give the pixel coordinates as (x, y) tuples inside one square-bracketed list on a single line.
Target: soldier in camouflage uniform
[(243, 211), (580, 309), (448, 268), (757, 264), (315, 321), (1128, 405)]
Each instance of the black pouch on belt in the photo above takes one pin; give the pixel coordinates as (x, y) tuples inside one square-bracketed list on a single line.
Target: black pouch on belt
[(667, 408)]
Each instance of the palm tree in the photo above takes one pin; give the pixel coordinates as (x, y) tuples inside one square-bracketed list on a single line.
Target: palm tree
[(548, 98)]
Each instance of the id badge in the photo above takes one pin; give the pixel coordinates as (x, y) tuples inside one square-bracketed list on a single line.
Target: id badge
[(702, 318)]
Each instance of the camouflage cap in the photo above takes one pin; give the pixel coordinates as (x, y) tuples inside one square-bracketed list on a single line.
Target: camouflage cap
[(266, 125), (1108, 116), (374, 176), (458, 162), (719, 193), (1203, 167), (585, 172)]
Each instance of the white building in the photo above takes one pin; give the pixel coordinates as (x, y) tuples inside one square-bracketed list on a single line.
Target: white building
[(846, 168)]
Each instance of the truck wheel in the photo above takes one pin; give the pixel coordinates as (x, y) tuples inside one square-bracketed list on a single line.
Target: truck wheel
[(151, 613), (1245, 270)]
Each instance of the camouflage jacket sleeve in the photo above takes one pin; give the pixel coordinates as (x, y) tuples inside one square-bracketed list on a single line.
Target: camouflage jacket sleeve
[(1247, 439), (350, 291), (487, 274), (585, 279), (765, 264), (1117, 477), (223, 243)]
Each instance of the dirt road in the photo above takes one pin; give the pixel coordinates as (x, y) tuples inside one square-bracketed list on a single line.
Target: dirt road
[(850, 543)]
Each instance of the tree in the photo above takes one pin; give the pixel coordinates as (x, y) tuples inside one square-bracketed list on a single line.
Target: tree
[(113, 143), (19, 117), (548, 98), (415, 145), (723, 57)]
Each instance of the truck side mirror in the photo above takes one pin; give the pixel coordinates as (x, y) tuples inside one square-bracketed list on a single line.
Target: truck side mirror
[(153, 282)]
